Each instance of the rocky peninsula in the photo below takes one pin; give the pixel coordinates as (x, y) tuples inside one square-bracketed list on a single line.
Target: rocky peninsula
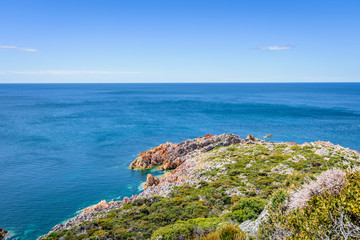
[(216, 182)]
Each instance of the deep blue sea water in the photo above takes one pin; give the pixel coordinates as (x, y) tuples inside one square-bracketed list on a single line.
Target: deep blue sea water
[(64, 147)]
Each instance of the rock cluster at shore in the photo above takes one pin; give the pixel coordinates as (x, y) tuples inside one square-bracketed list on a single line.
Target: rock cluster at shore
[(151, 181), (3, 233), (172, 155)]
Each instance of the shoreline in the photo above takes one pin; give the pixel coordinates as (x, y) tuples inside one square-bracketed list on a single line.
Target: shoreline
[(185, 172), (88, 213)]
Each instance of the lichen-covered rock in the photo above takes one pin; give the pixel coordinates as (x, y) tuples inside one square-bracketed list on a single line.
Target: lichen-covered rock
[(172, 155), (3, 233)]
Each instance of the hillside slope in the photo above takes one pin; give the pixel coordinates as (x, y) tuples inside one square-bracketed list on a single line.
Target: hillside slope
[(225, 181)]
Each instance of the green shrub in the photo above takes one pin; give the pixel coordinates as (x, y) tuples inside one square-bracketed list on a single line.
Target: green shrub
[(227, 232), (279, 197), (326, 216), (248, 209), (186, 229)]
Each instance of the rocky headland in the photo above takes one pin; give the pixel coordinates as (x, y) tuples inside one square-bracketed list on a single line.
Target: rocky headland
[(172, 155), (214, 180)]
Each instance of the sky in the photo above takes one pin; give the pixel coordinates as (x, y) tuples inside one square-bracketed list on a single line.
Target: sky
[(109, 41)]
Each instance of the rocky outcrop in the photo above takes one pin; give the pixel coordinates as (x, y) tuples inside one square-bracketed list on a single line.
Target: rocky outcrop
[(3, 233), (171, 155), (151, 181), (252, 138), (102, 205)]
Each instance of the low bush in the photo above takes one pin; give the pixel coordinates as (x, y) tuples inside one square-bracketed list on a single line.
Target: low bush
[(330, 213), (227, 232), (187, 229), (248, 209)]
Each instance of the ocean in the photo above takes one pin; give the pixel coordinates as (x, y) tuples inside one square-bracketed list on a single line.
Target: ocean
[(64, 147)]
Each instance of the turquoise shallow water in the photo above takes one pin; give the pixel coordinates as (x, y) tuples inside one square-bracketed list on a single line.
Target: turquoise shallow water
[(64, 147)]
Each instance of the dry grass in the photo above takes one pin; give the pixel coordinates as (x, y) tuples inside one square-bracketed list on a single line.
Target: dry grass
[(332, 182)]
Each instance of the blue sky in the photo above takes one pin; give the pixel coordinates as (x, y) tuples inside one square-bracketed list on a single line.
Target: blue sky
[(179, 41)]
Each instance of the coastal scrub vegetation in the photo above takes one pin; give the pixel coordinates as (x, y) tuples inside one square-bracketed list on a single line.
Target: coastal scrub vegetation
[(240, 183), (227, 232), (332, 212)]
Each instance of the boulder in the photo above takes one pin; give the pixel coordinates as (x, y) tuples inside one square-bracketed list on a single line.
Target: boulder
[(3, 233), (168, 165), (151, 181), (252, 138)]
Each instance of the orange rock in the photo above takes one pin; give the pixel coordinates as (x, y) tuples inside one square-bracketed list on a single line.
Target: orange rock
[(252, 138), (208, 136), (151, 181), (324, 143), (172, 155)]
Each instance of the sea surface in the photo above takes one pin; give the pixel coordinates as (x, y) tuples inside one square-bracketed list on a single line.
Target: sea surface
[(64, 147)]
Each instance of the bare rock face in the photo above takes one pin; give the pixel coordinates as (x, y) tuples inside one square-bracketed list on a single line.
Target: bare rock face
[(171, 155), (151, 181), (3, 233)]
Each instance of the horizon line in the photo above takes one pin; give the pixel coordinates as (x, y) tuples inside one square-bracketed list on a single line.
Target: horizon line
[(163, 82)]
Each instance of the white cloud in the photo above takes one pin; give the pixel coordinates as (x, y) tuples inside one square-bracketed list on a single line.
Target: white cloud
[(8, 47), (65, 72), (28, 49), (22, 49), (277, 48)]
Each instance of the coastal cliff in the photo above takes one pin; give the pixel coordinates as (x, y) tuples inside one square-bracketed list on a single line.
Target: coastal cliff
[(222, 183)]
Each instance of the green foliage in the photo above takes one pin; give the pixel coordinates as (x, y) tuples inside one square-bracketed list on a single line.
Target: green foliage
[(279, 198), (248, 209), (175, 231), (325, 217), (187, 229), (227, 232)]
